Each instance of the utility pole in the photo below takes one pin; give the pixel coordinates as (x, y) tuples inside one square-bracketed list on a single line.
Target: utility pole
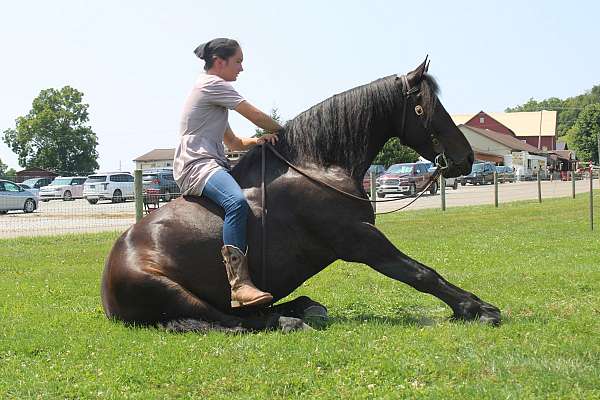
[(540, 134), (598, 137)]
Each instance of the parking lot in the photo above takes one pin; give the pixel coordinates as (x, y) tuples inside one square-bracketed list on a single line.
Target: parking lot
[(78, 216)]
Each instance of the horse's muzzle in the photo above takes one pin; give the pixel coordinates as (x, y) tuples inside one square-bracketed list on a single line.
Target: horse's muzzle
[(455, 169)]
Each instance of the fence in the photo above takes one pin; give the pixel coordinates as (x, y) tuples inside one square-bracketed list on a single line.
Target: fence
[(68, 210), (74, 214), (498, 193)]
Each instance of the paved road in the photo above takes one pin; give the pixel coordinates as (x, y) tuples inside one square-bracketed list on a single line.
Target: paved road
[(476, 195), (58, 217)]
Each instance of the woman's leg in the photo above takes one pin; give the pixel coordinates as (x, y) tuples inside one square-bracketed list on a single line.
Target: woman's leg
[(223, 190)]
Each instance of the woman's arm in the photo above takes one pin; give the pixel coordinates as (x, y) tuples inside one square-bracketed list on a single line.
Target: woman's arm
[(257, 117), (236, 143)]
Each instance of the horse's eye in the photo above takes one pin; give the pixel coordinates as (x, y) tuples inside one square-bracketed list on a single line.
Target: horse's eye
[(418, 110)]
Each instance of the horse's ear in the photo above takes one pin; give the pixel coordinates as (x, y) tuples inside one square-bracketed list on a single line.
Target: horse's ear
[(416, 75)]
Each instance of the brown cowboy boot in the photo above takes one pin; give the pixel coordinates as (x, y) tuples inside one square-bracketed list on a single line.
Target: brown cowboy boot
[(243, 291)]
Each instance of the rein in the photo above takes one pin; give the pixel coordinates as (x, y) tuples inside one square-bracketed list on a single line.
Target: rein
[(432, 179), (440, 161)]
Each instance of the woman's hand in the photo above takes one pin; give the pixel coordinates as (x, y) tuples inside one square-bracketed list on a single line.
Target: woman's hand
[(269, 137)]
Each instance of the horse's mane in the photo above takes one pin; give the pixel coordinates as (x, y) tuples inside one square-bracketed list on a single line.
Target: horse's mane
[(336, 131)]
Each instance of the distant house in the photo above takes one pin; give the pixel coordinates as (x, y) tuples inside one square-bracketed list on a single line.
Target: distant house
[(163, 158), (157, 158), (34, 172), (536, 128), (565, 159), (506, 149), (493, 146)]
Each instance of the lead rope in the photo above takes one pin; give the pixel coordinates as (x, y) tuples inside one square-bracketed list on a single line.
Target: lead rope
[(263, 217), (432, 178)]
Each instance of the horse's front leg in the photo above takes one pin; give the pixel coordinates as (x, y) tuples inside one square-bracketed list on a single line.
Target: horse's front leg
[(367, 245)]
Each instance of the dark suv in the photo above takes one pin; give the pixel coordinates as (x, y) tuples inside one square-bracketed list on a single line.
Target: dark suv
[(408, 179), (161, 179), (481, 173)]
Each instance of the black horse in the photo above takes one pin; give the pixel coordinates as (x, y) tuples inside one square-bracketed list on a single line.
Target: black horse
[(167, 269)]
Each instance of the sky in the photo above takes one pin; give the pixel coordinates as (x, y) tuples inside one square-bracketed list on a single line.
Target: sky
[(134, 60)]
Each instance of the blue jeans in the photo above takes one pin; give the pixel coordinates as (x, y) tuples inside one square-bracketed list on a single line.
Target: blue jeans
[(223, 190)]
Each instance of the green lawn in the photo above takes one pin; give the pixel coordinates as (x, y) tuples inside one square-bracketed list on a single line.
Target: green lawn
[(539, 263)]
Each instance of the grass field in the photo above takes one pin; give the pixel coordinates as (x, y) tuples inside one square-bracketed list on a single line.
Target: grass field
[(539, 263)]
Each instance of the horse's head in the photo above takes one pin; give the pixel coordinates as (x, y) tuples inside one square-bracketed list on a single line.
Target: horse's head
[(426, 126)]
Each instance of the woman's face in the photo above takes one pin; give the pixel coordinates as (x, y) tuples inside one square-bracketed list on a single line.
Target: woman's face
[(232, 66)]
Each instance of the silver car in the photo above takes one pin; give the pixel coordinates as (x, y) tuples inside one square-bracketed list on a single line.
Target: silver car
[(63, 187), (13, 197)]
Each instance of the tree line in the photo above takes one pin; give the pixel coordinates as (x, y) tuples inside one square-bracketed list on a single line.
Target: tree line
[(578, 120), (55, 134)]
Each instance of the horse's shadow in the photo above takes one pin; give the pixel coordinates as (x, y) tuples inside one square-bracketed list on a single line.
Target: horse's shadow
[(399, 320)]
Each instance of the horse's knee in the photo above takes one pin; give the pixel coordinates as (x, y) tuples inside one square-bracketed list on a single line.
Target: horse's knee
[(424, 278)]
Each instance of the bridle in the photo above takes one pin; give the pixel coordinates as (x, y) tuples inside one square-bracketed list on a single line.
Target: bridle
[(410, 94)]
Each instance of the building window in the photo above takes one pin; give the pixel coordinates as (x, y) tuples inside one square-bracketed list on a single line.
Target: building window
[(481, 120)]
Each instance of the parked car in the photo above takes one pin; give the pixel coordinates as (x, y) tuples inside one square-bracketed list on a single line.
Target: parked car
[(36, 192), (378, 169), (13, 197), (114, 186), (63, 187), (481, 173), (505, 174), (161, 179), (38, 183), (449, 182), (407, 179)]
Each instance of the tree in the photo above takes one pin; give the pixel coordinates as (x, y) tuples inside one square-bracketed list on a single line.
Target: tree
[(583, 136), (393, 153), (54, 135), (567, 110), (6, 172), (10, 173), (276, 117)]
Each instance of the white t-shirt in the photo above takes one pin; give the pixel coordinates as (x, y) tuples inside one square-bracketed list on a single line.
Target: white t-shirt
[(200, 152)]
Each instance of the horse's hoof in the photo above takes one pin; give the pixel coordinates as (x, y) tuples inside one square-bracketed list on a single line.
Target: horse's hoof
[(316, 316), (490, 315), (289, 324), (482, 312)]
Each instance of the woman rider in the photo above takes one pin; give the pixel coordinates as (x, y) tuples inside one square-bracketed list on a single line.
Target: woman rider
[(200, 166)]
